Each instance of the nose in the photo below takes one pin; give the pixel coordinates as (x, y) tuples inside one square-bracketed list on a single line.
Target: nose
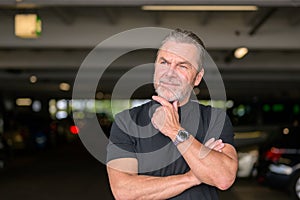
[(171, 70)]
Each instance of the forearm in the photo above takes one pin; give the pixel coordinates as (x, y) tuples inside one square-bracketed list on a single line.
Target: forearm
[(210, 166), (216, 168), (128, 186)]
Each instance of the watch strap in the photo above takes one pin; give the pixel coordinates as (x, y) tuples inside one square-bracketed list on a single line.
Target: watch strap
[(176, 141)]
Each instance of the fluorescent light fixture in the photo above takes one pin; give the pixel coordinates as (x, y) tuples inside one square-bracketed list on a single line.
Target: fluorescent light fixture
[(23, 101), (200, 7), (28, 25), (240, 52)]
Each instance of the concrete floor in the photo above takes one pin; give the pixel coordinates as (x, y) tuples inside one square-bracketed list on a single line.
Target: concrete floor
[(70, 172)]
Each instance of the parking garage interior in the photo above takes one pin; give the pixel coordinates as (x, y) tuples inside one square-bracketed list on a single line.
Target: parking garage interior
[(53, 74)]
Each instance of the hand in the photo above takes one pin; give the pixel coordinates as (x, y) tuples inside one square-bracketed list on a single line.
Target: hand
[(193, 178), (211, 144), (214, 144), (166, 118)]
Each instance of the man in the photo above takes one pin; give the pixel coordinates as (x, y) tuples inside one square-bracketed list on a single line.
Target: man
[(159, 150)]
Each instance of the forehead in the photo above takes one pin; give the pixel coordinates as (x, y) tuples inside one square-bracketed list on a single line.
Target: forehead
[(180, 51)]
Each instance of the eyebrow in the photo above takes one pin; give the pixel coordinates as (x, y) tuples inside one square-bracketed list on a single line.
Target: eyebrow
[(183, 62), (162, 58), (186, 62)]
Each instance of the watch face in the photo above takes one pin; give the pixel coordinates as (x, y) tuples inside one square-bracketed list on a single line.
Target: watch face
[(183, 135)]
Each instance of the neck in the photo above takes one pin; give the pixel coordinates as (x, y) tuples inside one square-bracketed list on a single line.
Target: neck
[(183, 102)]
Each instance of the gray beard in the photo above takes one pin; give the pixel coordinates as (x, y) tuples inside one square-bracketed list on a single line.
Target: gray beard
[(173, 97)]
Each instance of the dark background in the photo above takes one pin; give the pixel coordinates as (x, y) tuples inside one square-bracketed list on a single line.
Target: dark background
[(42, 159)]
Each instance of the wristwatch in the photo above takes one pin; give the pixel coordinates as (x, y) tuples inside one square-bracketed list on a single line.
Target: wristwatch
[(182, 136)]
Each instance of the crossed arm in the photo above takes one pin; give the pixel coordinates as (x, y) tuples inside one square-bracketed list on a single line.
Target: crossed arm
[(214, 163), (127, 184)]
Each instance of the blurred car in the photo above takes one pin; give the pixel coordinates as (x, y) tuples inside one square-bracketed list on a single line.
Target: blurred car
[(247, 163), (279, 164), (247, 144)]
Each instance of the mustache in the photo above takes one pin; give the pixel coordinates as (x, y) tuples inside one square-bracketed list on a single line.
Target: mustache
[(169, 80)]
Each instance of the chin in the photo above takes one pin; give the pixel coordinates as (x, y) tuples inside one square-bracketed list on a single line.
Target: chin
[(171, 99), (166, 95)]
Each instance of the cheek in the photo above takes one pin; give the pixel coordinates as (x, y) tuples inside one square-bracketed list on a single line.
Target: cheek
[(183, 77), (156, 78), (158, 73), (155, 75), (189, 80)]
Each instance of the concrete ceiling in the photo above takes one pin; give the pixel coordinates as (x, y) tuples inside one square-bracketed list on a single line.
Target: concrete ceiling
[(71, 29)]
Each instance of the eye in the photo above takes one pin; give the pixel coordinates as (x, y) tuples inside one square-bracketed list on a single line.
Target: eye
[(183, 66), (163, 62)]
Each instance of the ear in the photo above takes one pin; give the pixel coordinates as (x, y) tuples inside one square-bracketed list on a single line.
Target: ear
[(198, 77)]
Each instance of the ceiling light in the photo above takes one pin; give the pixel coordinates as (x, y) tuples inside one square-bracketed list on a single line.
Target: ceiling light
[(240, 52), (36, 106), (33, 79), (62, 104), (200, 8), (286, 131), (61, 115), (28, 25), (64, 86)]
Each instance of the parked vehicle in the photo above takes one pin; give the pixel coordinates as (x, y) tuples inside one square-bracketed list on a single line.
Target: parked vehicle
[(247, 144), (247, 163), (279, 164)]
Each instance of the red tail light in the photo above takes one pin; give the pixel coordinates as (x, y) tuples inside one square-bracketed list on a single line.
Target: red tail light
[(274, 154), (74, 130)]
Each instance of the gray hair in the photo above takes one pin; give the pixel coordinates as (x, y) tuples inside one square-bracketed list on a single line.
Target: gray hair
[(184, 36)]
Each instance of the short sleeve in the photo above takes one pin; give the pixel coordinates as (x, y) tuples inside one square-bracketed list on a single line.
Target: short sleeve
[(227, 134), (121, 145), (217, 125)]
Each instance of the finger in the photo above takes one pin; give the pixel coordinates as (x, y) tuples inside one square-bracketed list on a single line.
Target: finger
[(161, 100), (154, 124), (219, 142), (175, 105), (222, 145), (215, 144), (209, 142), (219, 147)]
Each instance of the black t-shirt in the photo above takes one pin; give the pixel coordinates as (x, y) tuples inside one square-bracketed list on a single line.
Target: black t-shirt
[(133, 136)]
